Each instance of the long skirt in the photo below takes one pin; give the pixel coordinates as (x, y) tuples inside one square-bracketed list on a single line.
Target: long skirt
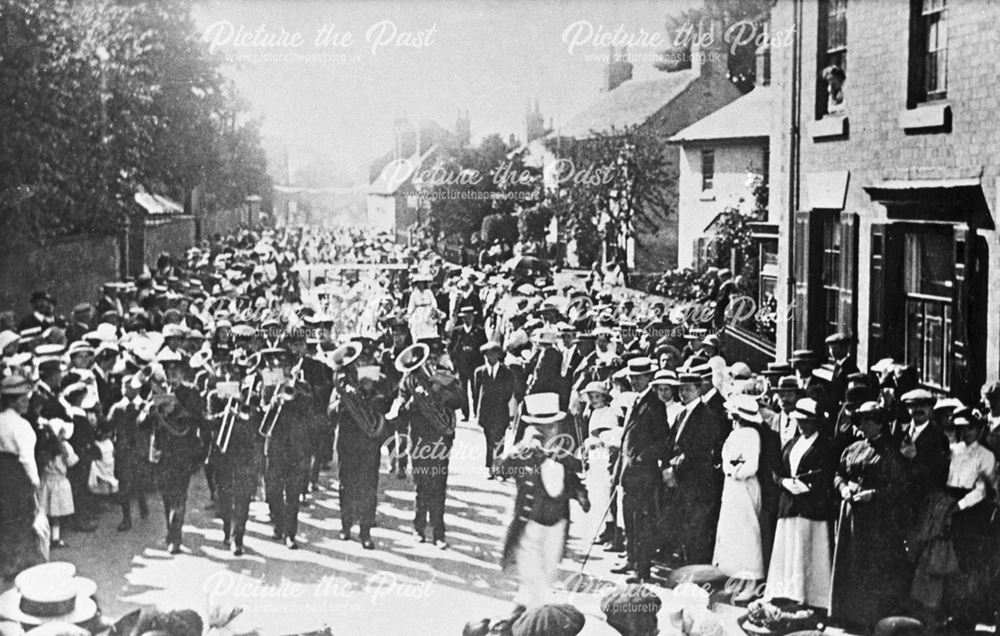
[(800, 562), (598, 482), (738, 549)]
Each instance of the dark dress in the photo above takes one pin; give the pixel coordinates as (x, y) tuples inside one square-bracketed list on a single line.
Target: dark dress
[(20, 547), (871, 574)]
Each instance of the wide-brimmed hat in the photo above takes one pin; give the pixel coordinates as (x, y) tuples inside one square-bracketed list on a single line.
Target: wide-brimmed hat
[(493, 346), (967, 416), (839, 338), (48, 593), (596, 386), (641, 366), (15, 385), (542, 408), (918, 396), (788, 383), (664, 377), (805, 409), (345, 355), (744, 407), (869, 410), (740, 371)]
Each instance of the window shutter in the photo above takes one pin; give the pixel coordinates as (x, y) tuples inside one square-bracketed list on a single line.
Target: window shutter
[(847, 311), (885, 293), (970, 309)]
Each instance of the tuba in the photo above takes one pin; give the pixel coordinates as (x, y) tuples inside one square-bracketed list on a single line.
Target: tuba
[(410, 362), (371, 424)]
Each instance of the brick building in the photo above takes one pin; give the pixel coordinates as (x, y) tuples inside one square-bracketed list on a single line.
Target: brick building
[(890, 185)]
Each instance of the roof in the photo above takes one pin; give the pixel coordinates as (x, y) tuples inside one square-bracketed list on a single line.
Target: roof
[(631, 104), (747, 117), (156, 204), (397, 172)]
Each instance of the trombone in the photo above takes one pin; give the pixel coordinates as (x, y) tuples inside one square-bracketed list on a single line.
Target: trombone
[(283, 392)]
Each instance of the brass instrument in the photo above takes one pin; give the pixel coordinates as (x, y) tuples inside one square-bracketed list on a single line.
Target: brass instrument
[(410, 362), (371, 424), (282, 393), (232, 412)]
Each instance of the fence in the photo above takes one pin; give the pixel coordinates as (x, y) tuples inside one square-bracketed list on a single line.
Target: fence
[(71, 269)]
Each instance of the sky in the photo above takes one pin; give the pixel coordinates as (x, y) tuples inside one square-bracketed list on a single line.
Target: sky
[(330, 77)]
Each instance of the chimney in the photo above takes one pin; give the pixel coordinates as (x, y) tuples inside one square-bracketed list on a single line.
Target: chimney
[(618, 71), (708, 50)]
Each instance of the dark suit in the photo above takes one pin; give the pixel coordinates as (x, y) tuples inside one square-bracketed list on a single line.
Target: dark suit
[(769, 465), (464, 351), (838, 382), (928, 470), (545, 371), (694, 503), (31, 321), (645, 444), (492, 398)]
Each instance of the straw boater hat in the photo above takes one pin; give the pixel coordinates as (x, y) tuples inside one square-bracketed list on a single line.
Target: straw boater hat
[(15, 385), (744, 407), (48, 593), (542, 409)]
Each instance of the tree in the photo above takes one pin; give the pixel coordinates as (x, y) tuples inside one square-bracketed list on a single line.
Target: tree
[(105, 97), (609, 184), (742, 61), (467, 184), (499, 227), (533, 223)]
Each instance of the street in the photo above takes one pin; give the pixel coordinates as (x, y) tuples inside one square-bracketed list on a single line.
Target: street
[(402, 585)]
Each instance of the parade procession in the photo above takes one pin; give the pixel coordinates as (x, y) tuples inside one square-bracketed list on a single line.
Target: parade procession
[(708, 349)]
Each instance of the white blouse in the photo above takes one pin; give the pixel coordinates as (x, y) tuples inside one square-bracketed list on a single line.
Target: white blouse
[(18, 438), (802, 445), (972, 467)]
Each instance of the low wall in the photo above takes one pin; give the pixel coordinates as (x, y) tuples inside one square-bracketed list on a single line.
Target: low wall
[(71, 269)]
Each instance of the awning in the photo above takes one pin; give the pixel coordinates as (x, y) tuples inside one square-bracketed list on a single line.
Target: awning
[(957, 200)]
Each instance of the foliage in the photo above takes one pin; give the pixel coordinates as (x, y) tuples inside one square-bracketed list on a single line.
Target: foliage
[(533, 223), (499, 227), (681, 284), (103, 98), (465, 185), (733, 234), (742, 63), (609, 184)]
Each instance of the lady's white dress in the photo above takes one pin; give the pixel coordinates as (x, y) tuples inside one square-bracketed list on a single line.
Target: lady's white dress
[(801, 565), (738, 551), (423, 314), (598, 476)]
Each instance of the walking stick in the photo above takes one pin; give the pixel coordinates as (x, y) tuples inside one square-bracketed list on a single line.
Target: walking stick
[(600, 522)]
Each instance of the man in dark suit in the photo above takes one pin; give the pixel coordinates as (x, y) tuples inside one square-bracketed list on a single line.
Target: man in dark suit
[(924, 447), (693, 481), (991, 402), (463, 347), (839, 347), (492, 389), (43, 307), (644, 448), (546, 364)]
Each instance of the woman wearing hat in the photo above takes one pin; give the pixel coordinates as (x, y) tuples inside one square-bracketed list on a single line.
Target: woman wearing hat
[(738, 552), (19, 541), (870, 571), (601, 449), (800, 561)]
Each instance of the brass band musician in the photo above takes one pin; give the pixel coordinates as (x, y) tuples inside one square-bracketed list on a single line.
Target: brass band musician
[(429, 394), (237, 453), (175, 447), (357, 407), (288, 415)]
